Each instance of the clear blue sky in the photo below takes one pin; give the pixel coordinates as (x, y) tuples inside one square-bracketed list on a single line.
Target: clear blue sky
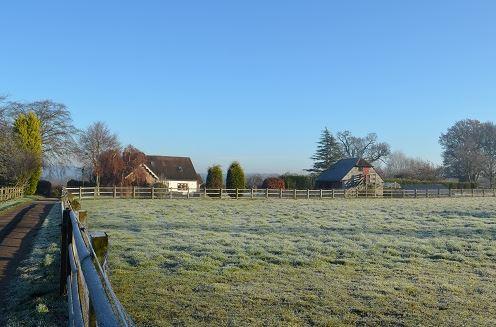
[(255, 81)]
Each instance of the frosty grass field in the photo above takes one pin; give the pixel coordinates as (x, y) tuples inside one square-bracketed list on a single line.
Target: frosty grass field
[(310, 262)]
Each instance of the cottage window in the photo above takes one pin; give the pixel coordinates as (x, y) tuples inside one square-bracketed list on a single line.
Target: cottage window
[(182, 186)]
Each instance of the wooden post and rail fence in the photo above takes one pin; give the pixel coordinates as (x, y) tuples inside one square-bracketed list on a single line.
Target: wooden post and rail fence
[(90, 298), (134, 192), (10, 193)]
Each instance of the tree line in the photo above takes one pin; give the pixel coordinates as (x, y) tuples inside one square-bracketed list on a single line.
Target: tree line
[(469, 153), (41, 135)]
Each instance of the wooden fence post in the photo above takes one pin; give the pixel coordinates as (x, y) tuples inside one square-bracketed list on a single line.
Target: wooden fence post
[(252, 195), (188, 192), (472, 192), (99, 242), (80, 193), (220, 193), (308, 193), (205, 191), (266, 193), (333, 194), (66, 233), (134, 192), (153, 192), (114, 194), (170, 193), (83, 217), (280, 193), (295, 196), (237, 194), (321, 194)]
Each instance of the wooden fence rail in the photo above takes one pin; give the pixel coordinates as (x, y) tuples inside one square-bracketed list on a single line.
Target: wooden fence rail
[(9, 193), (90, 298), (167, 193)]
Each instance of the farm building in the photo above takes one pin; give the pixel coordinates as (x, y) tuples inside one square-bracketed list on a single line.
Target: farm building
[(177, 173), (350, 173)]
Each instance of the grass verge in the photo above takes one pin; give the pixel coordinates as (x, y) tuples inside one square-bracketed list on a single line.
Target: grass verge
[(7, 205), (33, 296)]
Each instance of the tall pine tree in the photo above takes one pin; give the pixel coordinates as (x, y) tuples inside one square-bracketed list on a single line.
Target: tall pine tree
[(328, 152)]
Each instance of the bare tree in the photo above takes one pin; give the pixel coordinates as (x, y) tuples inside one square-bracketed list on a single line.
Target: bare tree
[(363, 147), (489, 152), (398, 165), (111, 167), (463, 144), (254, 181), (93, 142), (57, 130)]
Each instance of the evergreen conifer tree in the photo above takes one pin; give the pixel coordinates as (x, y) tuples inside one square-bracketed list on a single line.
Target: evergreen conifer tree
[(235, 177), (328, 152), (214, 177), (27, 128)]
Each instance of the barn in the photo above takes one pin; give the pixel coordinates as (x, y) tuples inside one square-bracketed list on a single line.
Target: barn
[(348, 174), (177, 173)]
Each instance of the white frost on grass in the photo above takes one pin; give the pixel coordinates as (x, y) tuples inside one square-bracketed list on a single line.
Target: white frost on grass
[(34, 296), (284, 262)]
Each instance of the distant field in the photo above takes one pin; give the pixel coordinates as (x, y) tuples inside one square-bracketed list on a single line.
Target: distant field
[(284, 262)]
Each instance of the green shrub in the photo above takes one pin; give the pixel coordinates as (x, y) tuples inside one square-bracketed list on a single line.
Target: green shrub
[(27, 128), (214, 177), (235, 177)]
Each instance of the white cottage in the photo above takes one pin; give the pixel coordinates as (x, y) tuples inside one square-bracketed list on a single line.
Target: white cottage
[(177, 173)]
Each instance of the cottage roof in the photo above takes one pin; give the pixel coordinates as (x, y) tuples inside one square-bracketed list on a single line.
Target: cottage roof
[(172, 168), (339, 170)]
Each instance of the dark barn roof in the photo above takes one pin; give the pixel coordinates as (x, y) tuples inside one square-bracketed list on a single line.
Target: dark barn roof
[(172, 168), (339, 170)]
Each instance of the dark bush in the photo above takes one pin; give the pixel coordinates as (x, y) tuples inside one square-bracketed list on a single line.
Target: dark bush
[(300, 182), (273, 183), (77, 183), (44, 188), (421, 183)]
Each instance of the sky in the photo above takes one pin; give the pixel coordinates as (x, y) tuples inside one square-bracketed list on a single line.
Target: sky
[(255, 81)]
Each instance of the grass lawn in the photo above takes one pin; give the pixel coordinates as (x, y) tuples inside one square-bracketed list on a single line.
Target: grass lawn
[(283, 262)]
